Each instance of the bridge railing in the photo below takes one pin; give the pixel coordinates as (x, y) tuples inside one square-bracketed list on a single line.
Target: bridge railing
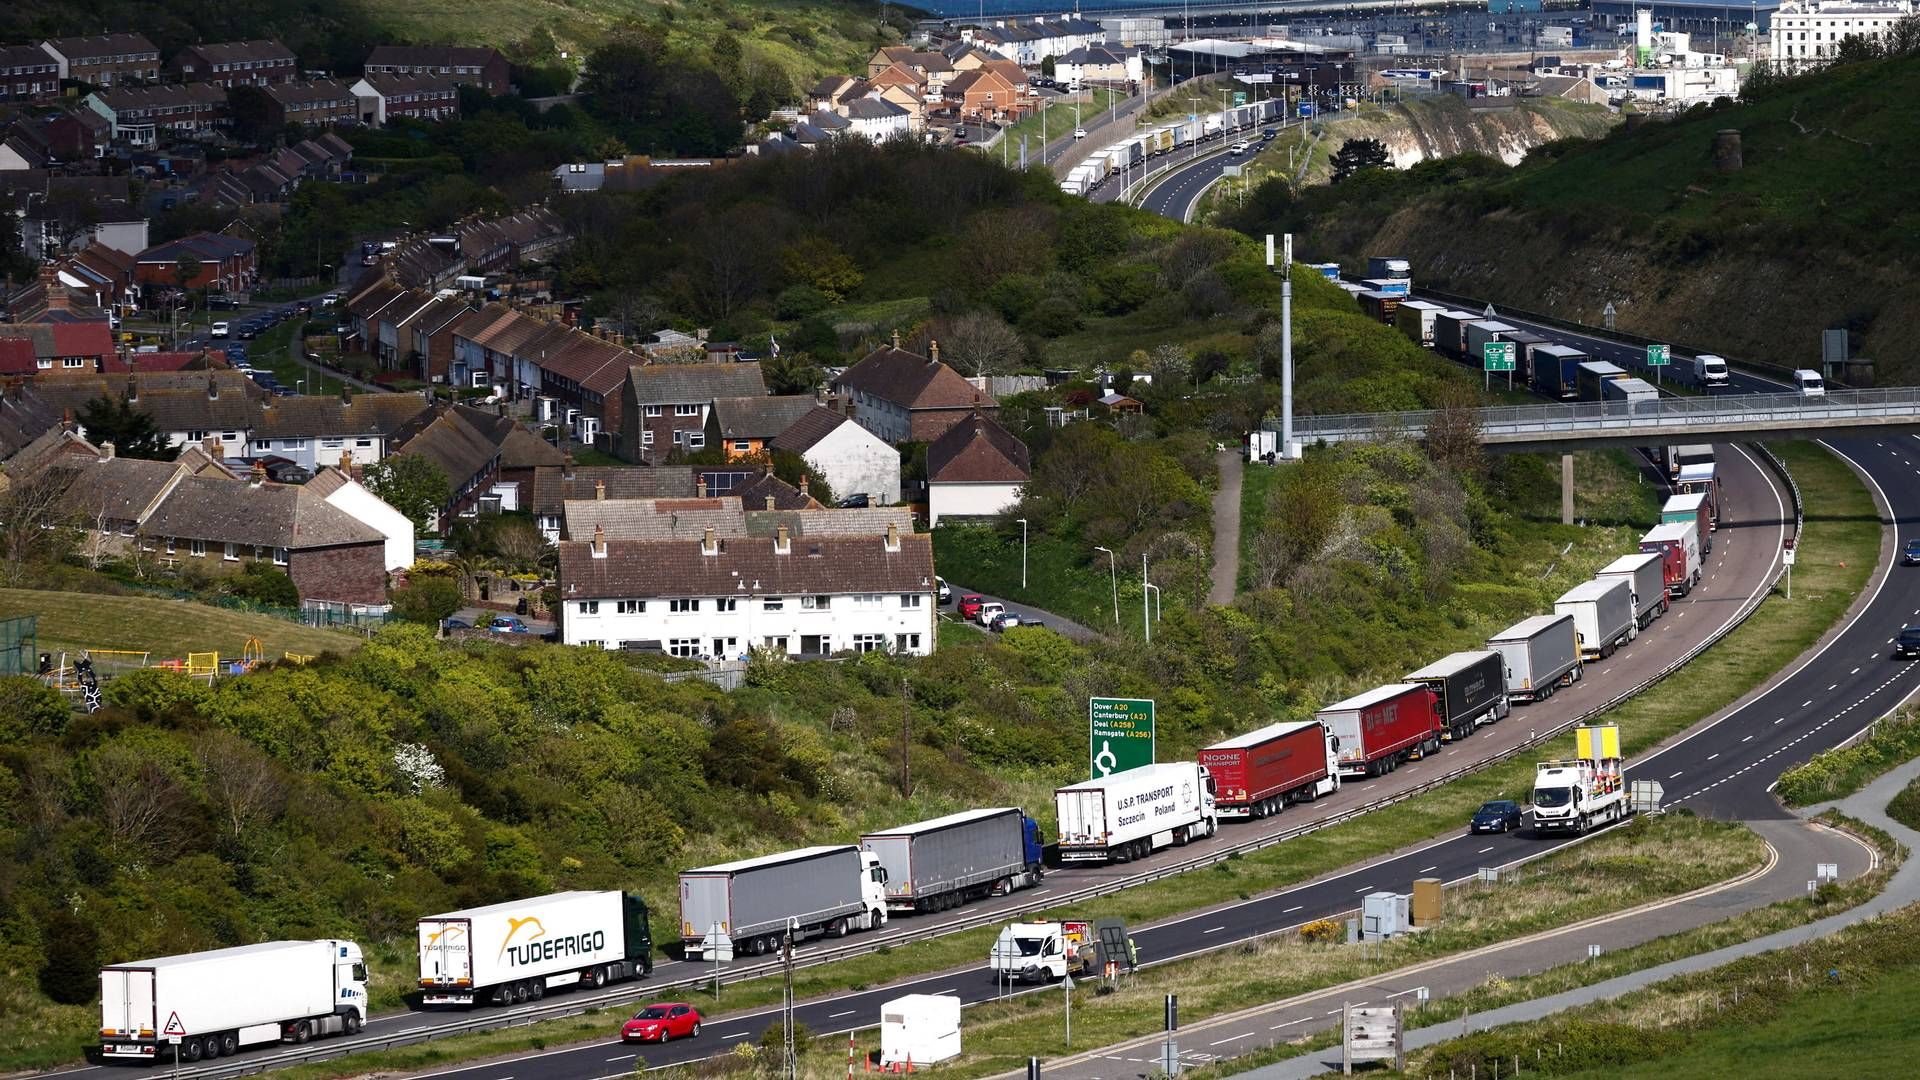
[(1888, 403)]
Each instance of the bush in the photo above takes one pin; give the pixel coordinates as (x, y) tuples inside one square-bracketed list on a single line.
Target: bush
[(1841, 772), (427, 600), (266, 585), (1323, 930), (29, 706), (799, 302), (71, 972), (1053, 317)]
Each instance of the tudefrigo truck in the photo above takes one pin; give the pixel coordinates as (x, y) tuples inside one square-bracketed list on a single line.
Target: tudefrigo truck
[(1469, 689), (1259, 773), (831, 890), (1129, 815), (1541, 653), (217, 1002), (945, 862), (1382, 728), (1556, 371), (516, 951)]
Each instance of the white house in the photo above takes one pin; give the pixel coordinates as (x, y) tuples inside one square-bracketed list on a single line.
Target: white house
[(876, 119), (346, 494), (1806, 33), (851, 459), (719, 597), (977, 469), (1099, 64)]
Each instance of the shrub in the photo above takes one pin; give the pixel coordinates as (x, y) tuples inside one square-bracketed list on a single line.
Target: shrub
[(427, 600), (263, 584), (799, 302), (1323, 930), (29, 706), (1843, 771), (71, 972)]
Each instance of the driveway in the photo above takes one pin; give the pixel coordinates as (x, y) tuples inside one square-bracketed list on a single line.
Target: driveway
[(1027, 612)]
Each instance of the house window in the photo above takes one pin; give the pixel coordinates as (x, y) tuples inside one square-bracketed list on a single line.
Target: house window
[(293, 444), (171, 549), (263, 445), (362, 443), (775, 642), (279, 556), (72, 361), (196, 548), (696, 439), (683, 647), (910, 601), (646, 438), (593, 643), (816, 603), (681, 607), (906, 642), (726, 603), (653, 410), (259, 551), (774, 603), (589, 607), (332, 444), (126, 528), (630, 607), (686, 410), (865, 643), (229, 436), (195, 436), (742, 446), (233, 552)]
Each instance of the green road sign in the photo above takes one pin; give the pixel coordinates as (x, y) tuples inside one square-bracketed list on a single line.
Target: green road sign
[(1239, 98), (1119, 735), (1498, 355), (1658, 356)]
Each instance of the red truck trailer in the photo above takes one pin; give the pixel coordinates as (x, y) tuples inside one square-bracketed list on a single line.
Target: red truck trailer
[(1384, 727), (1678, 545), (1260, 772)]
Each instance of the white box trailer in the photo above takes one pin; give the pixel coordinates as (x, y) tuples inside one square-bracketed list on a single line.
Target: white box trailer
[(1602, 613), (1477, 335), (1129, 815), (1644, 575), (1415, 319), (942, 863), (518, 950), (830, 890), (1542, 654), (918, 1030), (219, 1001)]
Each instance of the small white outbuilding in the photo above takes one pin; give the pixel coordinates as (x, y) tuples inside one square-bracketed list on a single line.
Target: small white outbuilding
[(920, 1028)]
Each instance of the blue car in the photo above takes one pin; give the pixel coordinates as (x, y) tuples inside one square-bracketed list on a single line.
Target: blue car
[(1499, 815), (508, 624), (1910, 554)]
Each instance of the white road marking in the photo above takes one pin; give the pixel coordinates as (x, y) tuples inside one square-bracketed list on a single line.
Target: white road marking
[(838, 1015), (1290, 1023), (1230, 1038), (1294, 908), (1215, 930), (1747, 739), (624, 1057), (1425, 869), (1676, 774), (1484, 850)]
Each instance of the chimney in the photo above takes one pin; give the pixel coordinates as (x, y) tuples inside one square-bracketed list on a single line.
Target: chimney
[(700, 488), (599, 541), (66, 420), (599, 491), (211, 447), (708, 545), (213, 387), (893, 537), (106, 451), (769, 502), (803, 485), (566, 465), (933, 351), (782, 544), (346, 396), (896, 337), (259, 476)]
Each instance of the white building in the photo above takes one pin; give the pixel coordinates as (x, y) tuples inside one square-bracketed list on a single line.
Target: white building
[(876, 119), (719, 597), (346, 494), (977, 469), (851, 459), (1806, 33)]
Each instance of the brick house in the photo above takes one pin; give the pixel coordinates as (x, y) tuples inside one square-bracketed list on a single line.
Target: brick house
[(748, 425), (466, 444), (904, 397), (140, 114), (105, 59), (28, 74), (414, 97), (977, 469), (980, 94), (318, 103), (226, 262), (666, 405), (474, 66), (235, 63)]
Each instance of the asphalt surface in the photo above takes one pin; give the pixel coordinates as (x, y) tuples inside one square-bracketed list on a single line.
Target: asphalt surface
[(1027, 612)]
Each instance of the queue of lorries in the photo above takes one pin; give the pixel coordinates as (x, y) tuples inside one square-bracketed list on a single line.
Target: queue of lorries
[(1133, 152)]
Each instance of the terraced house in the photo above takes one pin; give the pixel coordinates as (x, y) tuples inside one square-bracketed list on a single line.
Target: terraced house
[(235, 63), (28, 74), (105, 59), (139, 115), (414, 97), (475, 66), (319, 103)]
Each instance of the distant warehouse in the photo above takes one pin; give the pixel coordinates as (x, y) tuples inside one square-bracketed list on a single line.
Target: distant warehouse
[(1700, 17)]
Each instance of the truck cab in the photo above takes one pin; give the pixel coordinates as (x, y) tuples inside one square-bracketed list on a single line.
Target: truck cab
[(350, 982), (1044, 951), (873, 889)]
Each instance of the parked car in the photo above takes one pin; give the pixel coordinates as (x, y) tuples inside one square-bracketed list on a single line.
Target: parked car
[(1907, 645), (942, 590), (456, 624), (990, 611), (659, 1023), (1910, 554), (1269, 134), (330, 299), (248, 331), (855, 502), (509, 624), (219, 330), (1499, 815), (970, 606), (1005, 621)]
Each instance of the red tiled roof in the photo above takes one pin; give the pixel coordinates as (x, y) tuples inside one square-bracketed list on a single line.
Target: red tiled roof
[(16, 356), (83, 339)]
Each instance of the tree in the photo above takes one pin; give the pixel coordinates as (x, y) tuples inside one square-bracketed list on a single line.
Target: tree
[(1047, 66), (37, 522), (411, 484), (816, 261), (71, 973), (791, 373), (981, 343), (129, 430), (185, 270), (427, 599), (72, 211), (1453, 435), (1357, 154)]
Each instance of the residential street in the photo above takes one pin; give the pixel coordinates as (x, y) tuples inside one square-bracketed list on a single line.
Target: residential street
[(1027, 613)]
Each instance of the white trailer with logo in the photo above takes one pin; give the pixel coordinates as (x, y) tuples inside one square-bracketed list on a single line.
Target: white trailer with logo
[(519, 950), (214, 1003), (1132, 814)]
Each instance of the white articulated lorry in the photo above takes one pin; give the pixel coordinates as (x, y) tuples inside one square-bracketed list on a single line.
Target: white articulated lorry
[(1645, 574), (1602, 611), (216, 1002), (943, 863), (1583, 792), (1132, 814), (831, 890), (518, 950), (1542, 654)]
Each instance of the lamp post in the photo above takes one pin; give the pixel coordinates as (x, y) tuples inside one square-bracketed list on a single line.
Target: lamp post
[(1146, 588), (1023, 554), (1113, 576)]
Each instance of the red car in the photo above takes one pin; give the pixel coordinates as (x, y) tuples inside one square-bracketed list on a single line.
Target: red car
[(970, 606), (659, 1023)]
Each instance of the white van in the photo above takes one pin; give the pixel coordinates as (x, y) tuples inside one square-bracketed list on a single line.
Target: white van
[(1809, 384)]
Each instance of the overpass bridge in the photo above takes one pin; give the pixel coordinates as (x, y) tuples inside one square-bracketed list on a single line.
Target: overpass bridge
[(1668, 420)]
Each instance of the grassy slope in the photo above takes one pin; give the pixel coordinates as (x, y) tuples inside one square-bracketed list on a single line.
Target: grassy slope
[(165, 628)]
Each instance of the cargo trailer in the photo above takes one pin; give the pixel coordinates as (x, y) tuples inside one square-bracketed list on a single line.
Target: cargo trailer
[(1594, 375), (1478, 334), (1679, 457), (1382, 266), (1450, 332), (1678, 545), (518, 950), (1382, 728), (1259, 773), (1630, 396), (1379, 306), (1390, 286), (1330, 270), (1132, 814), (1524, 342), (1556, 371), (1469, 689), (945, 862), (830, 890), (216, 1003), (1701, 478), (1541, 654), (1415, 319), (1645, 574), (1690, 508), (1602, 614)]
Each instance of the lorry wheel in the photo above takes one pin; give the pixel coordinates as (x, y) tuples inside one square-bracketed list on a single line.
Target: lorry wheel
[(191, 1049), (598, 978), (210, 1048), (301, 1033), (230, 1043), (875, 920), (353, 1023), (537, 989)]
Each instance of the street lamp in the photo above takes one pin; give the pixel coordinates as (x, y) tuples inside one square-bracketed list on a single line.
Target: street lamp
[(1146, 587), (301, 385), (1155, 589), (1023, 554), (1113, 575)]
